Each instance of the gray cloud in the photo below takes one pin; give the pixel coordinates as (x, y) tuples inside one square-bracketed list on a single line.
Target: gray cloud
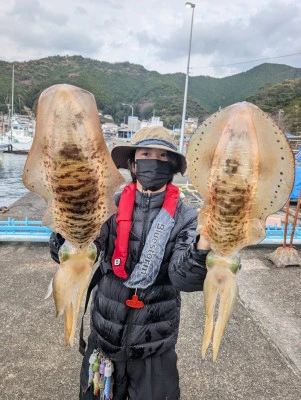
[(60, 39), (153, 33), (32, 28), (145, 39), (81, 10), (32, 11), (116, 4), (267, 32), (73, 41)]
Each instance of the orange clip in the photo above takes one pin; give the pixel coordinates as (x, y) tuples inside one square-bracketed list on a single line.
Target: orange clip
[(134, 302)]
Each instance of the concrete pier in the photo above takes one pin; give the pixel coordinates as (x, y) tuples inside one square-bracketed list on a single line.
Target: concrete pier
[(259, 357)]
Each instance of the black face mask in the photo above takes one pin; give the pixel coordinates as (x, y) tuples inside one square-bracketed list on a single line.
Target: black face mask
[(153, 174)]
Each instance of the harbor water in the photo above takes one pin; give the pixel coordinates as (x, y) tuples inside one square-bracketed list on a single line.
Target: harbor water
[(11, 186)]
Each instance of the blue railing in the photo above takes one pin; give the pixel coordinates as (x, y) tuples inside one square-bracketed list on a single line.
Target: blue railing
[(23, 231), (275, 234), (33, 231)]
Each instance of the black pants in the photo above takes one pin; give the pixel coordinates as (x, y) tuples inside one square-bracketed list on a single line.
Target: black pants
[(154, 378)]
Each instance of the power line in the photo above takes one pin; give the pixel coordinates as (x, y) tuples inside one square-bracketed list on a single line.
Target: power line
[(246, 62)]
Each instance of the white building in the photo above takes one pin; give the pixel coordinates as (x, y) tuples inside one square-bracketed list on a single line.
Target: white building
[(154, 121), (134, 125)]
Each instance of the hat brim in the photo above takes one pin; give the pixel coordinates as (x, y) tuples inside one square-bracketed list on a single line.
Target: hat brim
[(121, 155)]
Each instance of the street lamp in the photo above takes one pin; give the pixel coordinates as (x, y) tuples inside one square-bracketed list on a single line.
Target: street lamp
[(188, 5), (124, 104), (129, 106), (279, 115)]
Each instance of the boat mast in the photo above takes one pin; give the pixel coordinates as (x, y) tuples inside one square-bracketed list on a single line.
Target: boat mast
[(12, 91)]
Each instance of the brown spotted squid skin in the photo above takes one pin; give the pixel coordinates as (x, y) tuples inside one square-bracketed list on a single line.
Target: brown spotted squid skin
[(232, 184), (242, 165), (70, 167), (77, 192)]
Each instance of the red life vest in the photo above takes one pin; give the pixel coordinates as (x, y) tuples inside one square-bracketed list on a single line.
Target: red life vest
[(124, 223)]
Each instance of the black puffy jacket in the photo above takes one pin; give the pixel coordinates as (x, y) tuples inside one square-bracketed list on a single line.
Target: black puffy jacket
[(125, 333), (122, 332)]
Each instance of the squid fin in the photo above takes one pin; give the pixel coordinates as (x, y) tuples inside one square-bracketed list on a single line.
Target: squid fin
[(69, 286), (49, 219)]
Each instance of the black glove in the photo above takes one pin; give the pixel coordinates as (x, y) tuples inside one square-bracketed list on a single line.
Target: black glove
[(55, 242)]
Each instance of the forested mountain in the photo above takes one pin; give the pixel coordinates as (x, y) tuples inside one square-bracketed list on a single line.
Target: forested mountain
[(148, 91), (225, 91), (283, 102)]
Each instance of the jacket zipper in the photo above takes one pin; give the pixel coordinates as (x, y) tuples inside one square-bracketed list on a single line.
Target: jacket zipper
[(129, 331), (145, 205)]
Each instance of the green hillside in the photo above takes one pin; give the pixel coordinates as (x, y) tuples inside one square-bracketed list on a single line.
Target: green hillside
[(283, 102), (147, 91), (225, 91)]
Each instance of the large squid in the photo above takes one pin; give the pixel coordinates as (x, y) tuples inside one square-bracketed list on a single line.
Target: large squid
[(70, 166), (242, 165)]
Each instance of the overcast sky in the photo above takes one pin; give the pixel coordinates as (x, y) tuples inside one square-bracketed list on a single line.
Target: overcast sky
[(155, 33)]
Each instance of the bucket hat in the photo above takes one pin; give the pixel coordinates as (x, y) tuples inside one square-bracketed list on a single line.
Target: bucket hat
[(155, 137)]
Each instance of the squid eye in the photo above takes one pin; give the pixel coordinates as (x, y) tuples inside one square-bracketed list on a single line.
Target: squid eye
[(235, 264), (210, 260), (64, 254), (92, 252)]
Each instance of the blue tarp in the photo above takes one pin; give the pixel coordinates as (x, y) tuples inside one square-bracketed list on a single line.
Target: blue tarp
[(297, 184), (298, 156)]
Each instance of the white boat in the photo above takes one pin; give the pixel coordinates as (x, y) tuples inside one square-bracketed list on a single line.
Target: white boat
[(19, 144), (20, 136), (21, 128)]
